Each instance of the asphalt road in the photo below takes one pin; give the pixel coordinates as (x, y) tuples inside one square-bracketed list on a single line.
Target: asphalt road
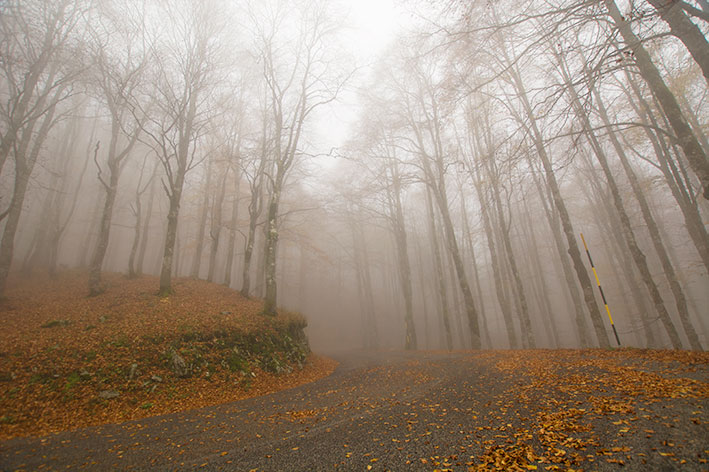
[(394, 411)]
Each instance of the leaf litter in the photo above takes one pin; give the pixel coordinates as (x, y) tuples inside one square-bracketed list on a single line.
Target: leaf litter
[(68, 361)]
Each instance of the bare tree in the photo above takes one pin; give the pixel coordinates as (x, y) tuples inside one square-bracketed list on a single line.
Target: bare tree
[(300, 77), (185, 58), (118, 72), (37, 41)]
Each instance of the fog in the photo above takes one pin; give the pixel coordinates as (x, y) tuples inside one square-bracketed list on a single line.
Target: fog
[(405, 175)]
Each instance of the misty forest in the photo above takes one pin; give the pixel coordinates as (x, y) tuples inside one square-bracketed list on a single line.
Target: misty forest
[(469, 175)]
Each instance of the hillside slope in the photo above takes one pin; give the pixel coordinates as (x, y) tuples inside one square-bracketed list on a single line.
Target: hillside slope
[(68, 361)]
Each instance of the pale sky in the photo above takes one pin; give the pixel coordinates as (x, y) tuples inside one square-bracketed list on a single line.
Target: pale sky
[(373, 26)]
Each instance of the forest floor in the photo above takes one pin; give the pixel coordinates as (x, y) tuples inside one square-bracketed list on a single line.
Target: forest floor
[(570, 410), (69, 361)]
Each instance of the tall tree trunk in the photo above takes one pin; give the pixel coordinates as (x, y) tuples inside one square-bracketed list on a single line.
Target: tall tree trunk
[(567, 270), (174, 197), (502, 300), (62, 224), (138, 211), (201, 228), (216, 228), (543, 289), (271, 248), (370, 335), (402, 255), (233, 225), (525, 321), (438, 264), (468, 239), (685, 30), (424, 295), (687, 140), (95, 285), (145, 233)]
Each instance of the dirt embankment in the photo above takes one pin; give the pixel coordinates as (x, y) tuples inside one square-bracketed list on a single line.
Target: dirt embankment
[(68, 361)]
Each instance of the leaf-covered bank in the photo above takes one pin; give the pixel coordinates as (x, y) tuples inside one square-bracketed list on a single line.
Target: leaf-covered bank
[(68, 361)]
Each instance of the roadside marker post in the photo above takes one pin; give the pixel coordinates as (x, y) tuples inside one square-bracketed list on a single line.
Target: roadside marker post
[(598, 282)]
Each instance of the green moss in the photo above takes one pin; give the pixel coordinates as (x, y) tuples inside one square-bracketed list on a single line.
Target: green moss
[(55, 323)]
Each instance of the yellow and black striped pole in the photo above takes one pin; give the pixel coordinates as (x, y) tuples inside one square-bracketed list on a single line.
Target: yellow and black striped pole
[(598, 282)]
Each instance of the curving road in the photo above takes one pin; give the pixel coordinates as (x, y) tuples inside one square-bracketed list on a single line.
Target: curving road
[(393, 411)]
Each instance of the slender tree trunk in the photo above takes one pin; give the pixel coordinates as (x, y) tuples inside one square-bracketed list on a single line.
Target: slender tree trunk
[(145, 233), (543, 290), (95, 285), (455, 296), (686, 138), (232, 230), (525, 321), (368, 292), (468, 239), (370, 337), (502, 300), (402, 253), (422, 292), (171, 235), (138, 211), (271, 247), (567, 270), (201, 228), (248, 252), (438, 264), (216, 228), (62, 224)]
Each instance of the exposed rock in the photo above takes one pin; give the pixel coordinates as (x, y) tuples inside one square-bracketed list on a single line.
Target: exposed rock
[(179, 366), (108, 394)]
